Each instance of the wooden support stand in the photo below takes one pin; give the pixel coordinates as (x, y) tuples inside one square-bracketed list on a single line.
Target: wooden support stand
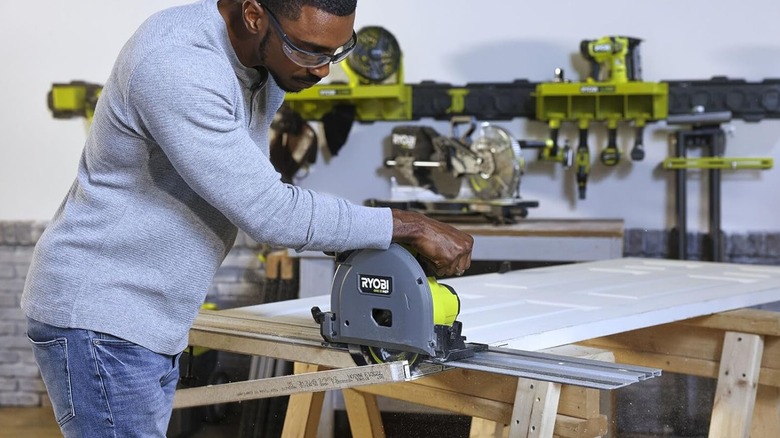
[(501, 405), (740, 348)]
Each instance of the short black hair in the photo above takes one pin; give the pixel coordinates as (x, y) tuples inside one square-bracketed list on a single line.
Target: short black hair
[(291, 9)]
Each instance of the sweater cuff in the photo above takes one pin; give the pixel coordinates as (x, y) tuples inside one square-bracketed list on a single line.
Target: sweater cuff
[(373, 226)]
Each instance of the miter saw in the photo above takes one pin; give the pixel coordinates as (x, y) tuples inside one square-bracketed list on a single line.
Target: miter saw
[(386, 308), (477, 167)]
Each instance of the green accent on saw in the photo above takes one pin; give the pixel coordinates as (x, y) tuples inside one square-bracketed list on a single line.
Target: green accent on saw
[(446, 304)]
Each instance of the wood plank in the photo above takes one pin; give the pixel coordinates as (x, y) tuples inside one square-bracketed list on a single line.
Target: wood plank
[(735, 395), (462, 404), (759, 322), (236, 342), (668, 339), (570, 427)]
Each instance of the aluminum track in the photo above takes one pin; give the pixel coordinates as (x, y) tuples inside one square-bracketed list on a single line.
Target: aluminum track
[(555, 368)]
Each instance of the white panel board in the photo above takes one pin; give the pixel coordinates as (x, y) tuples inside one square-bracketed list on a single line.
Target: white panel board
[(541, 308)]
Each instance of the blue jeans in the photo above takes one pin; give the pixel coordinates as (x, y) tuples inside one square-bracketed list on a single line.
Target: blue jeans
[(104, 386)]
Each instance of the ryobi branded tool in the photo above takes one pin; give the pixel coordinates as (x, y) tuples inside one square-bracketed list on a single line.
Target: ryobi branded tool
[(612, 93), (485, 155), (385, 308), (476, 170)]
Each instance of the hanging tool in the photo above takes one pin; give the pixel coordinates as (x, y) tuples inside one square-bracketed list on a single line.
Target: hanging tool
[(74, 99), (705, 132), (613, 59), (551, 151), (638, 151), (377, 55), (582, 159), (610, 156), (292, 143)]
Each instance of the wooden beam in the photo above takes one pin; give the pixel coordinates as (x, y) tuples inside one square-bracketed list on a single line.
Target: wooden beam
[(735, 395), (759, 322)]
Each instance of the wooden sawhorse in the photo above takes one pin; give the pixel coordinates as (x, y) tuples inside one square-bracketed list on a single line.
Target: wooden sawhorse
[(501, 405), (740, 348)]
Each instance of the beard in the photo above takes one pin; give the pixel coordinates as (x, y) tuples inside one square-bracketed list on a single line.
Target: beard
[(283, 81)]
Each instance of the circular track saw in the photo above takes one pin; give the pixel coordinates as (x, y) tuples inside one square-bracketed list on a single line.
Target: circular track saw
[(385, 308)]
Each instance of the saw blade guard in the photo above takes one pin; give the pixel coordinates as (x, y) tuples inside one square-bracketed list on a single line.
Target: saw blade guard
[(383, 298)]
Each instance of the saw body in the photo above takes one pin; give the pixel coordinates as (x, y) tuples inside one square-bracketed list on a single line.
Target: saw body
[(384, 308)]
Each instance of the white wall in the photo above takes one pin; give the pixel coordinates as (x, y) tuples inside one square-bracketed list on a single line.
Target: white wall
[(455, 41)]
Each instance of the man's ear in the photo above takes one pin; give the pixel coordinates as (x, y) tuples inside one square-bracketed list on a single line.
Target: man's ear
[(253, 14)]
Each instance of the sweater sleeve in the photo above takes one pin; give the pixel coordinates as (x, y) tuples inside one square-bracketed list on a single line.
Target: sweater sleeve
[(186, 100)]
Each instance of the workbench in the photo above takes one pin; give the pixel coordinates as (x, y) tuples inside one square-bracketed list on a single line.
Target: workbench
[(680, 316), (528, 240)]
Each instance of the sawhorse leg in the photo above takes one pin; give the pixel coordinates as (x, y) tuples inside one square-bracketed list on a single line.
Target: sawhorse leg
[(303, 409), (533, 413), (735, 396), (365, 419)]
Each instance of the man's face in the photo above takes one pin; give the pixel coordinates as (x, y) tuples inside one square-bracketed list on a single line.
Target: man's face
[(287, 43)]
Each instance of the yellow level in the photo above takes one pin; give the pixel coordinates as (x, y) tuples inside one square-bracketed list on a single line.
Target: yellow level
[(717, 163)]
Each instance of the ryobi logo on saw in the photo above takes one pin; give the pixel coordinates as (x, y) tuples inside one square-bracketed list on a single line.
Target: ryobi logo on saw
[(374, 284)]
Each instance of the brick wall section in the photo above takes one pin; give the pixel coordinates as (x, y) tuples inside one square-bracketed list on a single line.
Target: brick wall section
[(747, 248), (240, 281)]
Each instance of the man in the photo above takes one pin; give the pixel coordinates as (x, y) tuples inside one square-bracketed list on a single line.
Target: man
[(177, 159)]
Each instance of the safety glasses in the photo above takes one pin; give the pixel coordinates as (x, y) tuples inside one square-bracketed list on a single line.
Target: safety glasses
[(305, 58)]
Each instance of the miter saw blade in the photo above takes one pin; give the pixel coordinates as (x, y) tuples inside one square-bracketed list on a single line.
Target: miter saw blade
[(501, 165), (376, 56)]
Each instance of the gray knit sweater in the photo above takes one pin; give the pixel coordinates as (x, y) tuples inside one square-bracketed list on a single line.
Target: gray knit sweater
[(176, 159)]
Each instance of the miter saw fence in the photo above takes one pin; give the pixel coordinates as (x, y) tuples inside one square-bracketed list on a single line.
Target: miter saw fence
[(485, 155)]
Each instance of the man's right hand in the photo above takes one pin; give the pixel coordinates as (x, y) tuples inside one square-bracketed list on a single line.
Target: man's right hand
[(447, 249)]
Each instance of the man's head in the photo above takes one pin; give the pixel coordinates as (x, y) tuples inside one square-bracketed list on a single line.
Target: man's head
[(295, 40)]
